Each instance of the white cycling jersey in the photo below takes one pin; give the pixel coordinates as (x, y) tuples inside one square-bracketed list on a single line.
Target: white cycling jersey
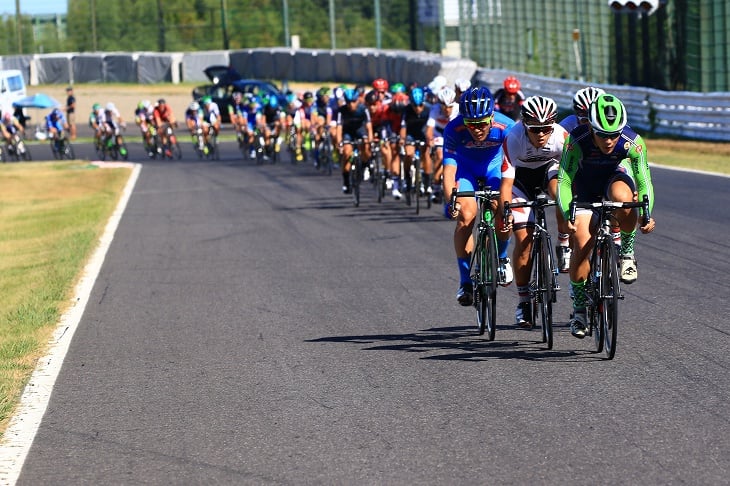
[(438, 120), (520, 153)]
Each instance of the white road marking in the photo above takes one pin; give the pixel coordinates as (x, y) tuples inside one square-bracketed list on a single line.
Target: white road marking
[(25, 422)]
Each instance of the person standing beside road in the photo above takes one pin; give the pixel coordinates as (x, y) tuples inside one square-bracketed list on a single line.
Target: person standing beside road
[(71, 112)]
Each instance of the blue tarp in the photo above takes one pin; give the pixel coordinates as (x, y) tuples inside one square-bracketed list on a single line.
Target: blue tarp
[(36, 101)]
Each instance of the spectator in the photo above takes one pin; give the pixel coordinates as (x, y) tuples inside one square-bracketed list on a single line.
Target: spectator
[(71, 112)]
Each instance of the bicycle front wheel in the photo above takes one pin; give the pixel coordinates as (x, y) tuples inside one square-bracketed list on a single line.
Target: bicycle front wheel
[(610, 295), (542, 297), (484, 264)]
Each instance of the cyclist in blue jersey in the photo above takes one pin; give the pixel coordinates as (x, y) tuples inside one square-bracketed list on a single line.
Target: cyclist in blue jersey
[(581, 101), (473, 149), (55, 124), (604, 159)]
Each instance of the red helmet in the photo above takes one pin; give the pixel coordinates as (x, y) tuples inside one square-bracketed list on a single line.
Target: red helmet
[(380, 84), (511, 85)]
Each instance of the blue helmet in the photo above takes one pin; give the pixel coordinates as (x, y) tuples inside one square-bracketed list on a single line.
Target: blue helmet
[(273, 101), (351, 94), (476, 103), (416, 96), (56, 113)]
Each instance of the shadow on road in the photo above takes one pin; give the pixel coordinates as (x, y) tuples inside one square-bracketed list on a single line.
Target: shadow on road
[(464, 344)]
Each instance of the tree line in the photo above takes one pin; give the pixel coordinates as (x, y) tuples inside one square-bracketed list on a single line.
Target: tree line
[(197, 25)]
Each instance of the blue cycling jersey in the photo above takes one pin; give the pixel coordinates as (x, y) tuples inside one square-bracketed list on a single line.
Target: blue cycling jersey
[(474, 159)]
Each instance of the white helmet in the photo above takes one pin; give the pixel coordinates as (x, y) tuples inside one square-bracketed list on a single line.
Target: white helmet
[(584, 97), (539, 110), (194, 106), (437, 83), (447, 95), (462, 84), (146, 104), (110, 106)]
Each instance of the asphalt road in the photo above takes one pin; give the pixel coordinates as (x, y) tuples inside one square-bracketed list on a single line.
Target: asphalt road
[(250, 326)]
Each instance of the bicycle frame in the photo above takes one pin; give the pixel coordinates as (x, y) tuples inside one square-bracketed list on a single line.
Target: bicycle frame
[(484, 260), (543, 283)]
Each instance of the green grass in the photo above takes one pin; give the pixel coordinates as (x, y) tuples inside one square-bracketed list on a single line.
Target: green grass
[(51, 218)]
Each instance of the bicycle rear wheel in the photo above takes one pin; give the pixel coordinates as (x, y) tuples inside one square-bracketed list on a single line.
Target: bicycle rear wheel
[(543, 296), (610, 295), (485, 285), (355, 178)]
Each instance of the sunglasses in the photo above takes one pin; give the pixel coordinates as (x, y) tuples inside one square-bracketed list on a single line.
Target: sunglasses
[(547, 129), (483, 123), (606, 135)]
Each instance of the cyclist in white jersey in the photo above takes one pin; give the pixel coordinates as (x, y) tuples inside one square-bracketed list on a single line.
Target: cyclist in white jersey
[(532, 152), (442, 112)]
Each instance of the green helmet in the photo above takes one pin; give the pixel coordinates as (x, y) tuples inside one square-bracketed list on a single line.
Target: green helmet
[(96, 107), (398, 88), (206, 100), (607, 114)]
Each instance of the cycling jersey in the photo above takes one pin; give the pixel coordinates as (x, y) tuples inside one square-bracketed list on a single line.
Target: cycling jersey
[(57, 124), (570, 122), (438, 120), (588, 171), (474, 159), (415, 122), (211, 113), (507, 106), (353, 122), (530, 166), (162, 114)]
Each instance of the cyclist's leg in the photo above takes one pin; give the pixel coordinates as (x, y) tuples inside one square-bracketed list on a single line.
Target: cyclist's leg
[(463, 239)]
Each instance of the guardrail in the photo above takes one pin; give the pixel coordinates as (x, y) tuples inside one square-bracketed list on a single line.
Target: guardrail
[(703, 116)]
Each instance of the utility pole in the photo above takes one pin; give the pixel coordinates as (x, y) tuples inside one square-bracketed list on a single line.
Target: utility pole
[(224, 26), (18, 27), (332, 24), (161, 27), (287, 40), (378, 36), (94, 47)]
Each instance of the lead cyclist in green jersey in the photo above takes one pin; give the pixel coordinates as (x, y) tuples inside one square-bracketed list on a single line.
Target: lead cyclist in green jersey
[(604, 159)]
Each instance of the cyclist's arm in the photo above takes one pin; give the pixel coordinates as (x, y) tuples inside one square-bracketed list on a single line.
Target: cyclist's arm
[(640, 167), (569, 163)]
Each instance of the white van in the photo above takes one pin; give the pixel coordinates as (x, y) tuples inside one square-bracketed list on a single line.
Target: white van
[(12, 88)]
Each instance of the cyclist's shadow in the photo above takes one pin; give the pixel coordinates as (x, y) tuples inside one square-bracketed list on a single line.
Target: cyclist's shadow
[(462, 343)]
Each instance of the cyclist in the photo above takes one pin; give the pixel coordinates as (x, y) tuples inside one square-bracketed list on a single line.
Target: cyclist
[(211, 118), (55, 124), (303, 118), (114, 124), (353, 124), (532, 152), (194, 121), (164, 119), (442, 112), (473, 149), (269, 122), (236, 113), (509, 98), (143, 119), (10, 127), (412, 131), (396, 107), (96, 122), (604, 159), (461, 85), (382, 128), (251, 111), (581, 101), (381, 86)]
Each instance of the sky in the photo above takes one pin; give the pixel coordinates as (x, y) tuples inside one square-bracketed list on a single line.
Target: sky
[(34, 7)]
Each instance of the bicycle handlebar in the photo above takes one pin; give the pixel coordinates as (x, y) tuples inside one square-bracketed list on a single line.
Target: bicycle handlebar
[(610, 206), (541, 201)]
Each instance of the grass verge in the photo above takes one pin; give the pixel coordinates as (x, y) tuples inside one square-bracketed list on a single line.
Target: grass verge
[(51, 218)]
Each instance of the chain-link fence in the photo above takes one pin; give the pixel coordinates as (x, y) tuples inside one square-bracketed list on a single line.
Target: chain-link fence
[(682, 46)]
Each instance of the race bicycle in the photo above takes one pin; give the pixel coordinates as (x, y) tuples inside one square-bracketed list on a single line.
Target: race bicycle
[(603, 287), (484, 262), (61, 147), (544, 282), (15, 148)]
